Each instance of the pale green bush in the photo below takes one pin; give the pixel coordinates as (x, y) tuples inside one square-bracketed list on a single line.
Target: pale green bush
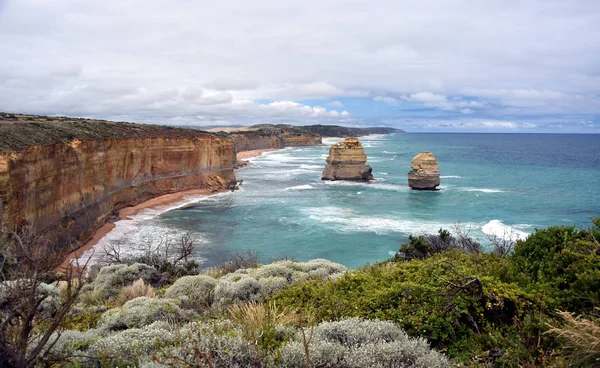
[(256, 284), (143, 311), (51, 303), (221, 340), (127, 346), (111, 279), (357, 343), (236, 288), (271, 285), (96, 347), (195, 292)]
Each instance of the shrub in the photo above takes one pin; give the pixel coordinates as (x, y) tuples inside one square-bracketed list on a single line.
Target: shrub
[(238, 288), (452, 299), (143, 311), (238, 261), (93, 348), (220, 342), (111, 279), (256, 284), (194, 291), (423, 246), (125, 347), (358, 343), (561, 266)]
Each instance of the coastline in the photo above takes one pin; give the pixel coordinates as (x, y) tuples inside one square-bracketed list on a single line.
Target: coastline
[(164, 200), (254, 153)]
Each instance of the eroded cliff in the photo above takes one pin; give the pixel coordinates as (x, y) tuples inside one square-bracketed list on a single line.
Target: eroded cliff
[(346, 161), (425, 173), (68, 186), (268, 138)]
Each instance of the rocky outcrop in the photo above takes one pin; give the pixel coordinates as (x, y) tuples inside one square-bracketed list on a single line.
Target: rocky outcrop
[(68, 188), (425, 173), (346, 161)]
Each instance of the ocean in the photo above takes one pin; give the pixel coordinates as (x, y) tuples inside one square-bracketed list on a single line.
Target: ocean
[(505, 185)]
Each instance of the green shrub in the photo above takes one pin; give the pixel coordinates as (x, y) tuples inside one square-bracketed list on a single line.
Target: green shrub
[(451, 299), (561, 266), (423, 246)]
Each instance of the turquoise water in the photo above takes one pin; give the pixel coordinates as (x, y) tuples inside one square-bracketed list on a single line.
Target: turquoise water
[(502, 184)]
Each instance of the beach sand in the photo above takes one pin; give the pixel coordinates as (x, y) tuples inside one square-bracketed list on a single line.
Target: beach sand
[(249, 154)]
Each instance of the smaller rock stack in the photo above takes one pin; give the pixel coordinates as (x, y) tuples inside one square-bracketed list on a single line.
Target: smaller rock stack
[(346, 161), (425, 173)]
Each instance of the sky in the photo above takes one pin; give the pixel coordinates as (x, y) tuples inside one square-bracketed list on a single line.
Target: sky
[(420, 65)]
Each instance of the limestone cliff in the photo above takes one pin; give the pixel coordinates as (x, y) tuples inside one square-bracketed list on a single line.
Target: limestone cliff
[(425, 173), (67, 177), (346, 161), (267, 138)]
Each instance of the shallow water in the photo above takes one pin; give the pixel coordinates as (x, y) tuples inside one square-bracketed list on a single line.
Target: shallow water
[(501, 184)]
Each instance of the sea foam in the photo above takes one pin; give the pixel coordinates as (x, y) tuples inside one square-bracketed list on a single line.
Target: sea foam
[(496, 228)]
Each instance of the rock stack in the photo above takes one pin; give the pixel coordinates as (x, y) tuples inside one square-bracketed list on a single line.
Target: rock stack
[(425, 173), (346, 161)]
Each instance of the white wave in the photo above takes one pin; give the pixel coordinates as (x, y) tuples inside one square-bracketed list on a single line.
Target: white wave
[(349, 221), (390, 153), (382, 173), (312, 167), (301, 187), (497, 229), (483, 190), (450, 177)]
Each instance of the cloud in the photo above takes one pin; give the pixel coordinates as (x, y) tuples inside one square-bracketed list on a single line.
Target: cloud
[(427, 97), (208, 61), (499, 124), (336, 104), (387, 100)]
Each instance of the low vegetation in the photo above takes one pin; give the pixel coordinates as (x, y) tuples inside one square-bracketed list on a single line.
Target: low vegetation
[(441, 302)]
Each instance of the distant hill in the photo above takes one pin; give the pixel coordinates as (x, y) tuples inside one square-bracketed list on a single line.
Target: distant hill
[(320, 130), (341, 131)]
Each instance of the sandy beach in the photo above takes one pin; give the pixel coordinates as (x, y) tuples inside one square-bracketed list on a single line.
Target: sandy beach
[(163, 200), (249, 154)]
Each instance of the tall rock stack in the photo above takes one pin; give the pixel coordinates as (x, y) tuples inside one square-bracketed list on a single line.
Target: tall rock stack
[(425, 173), (346, 161)]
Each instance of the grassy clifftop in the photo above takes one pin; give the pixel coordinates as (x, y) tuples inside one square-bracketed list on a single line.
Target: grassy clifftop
[(18, 132)]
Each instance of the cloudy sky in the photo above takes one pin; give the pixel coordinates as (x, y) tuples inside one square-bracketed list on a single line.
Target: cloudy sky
[(444, 65)]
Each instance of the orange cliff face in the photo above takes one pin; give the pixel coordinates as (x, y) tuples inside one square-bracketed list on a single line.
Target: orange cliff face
[(68, 190), (257, 142)]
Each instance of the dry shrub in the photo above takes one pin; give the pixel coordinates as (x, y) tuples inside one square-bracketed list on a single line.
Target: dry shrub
[(581, 337), (257, 319), (135, 290)]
